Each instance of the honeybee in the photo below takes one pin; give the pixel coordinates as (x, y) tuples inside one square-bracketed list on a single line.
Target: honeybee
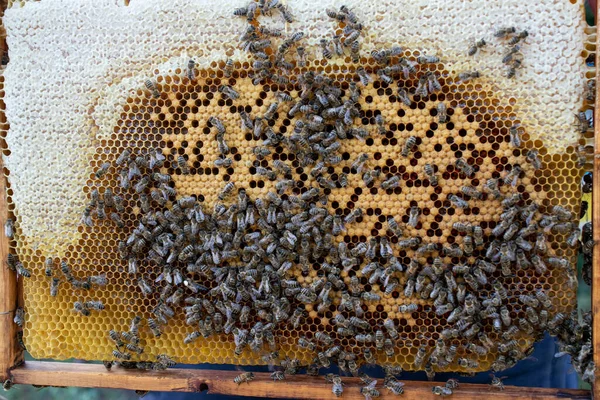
[(428, 59), (533, 158), (355, 51), (408, 308), (503, 32), (512, 69), (80, 308), (413, 216), (117, 220), (54, 286), (467, 76), (590, 90), (404, 97), (154, 327), (441, 391), (430, 172), (457, 201), (394, 386), (462, 227), (557, 262), (557, 320), (144, 287), (100, 172), (543, 298), (369, 391), (134, 348), (394, 227), (391, 183), (9, 229), (325, 48), (278, 375), (364, 338), (359, 163), (338, 387), (226, 191), (94, 305), (491, 186), (306, 344), (464, 167), (300, 56), (515, 136), (509, 56), (228, 68), (151, 86), (385, 250), (421, 89), (432, 82), (391, 328), (120, 355), (228, 92), (497, 382), (475, 46), (512, 177), (380, 121), (364, 77), (525, 326), (471, 192), (182, 164), (408, 146), (19, 318), (323, 338), (518, 37), (468, 363), (420, 357)]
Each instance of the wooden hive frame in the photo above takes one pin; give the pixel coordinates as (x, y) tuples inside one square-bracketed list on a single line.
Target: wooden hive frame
[(46, 373)]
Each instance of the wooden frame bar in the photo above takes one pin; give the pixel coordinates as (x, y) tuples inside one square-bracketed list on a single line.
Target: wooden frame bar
[(294, 387), (596, 219), (221, 382)]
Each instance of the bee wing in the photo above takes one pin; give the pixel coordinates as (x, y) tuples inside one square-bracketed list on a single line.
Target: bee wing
[(372, 384)]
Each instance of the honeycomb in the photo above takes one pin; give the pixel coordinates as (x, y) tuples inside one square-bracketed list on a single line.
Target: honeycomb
[(105, 108)]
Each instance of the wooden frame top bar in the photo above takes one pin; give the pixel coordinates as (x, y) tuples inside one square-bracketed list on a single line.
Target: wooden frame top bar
[(221, 382), (596, 219)]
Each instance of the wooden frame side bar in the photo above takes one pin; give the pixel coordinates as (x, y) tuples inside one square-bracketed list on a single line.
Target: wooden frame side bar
[(294, 387), (10, 352), (596, 220)]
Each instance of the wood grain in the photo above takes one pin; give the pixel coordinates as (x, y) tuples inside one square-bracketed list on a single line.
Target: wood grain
[(10, 352), (596, 223), (221, 382), (9, 349)]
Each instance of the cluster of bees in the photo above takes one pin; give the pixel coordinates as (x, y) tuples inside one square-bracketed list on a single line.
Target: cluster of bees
[(229, 267), (575, 338), (575, 334), (513, 58)]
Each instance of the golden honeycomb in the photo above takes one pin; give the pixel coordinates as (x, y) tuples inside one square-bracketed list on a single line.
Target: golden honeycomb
[(478, 131)]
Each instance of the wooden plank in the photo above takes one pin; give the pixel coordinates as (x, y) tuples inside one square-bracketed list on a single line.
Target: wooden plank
[(221, 382), (9, 351), (596, 222)]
